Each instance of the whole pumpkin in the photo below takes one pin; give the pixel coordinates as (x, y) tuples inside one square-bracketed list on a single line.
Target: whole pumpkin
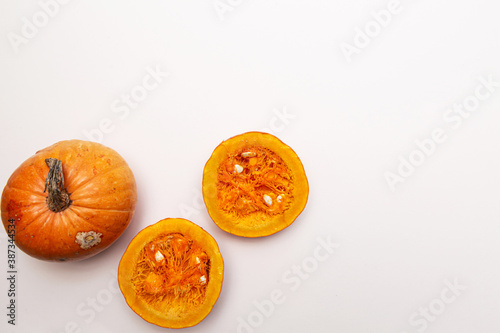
[(69, 201)]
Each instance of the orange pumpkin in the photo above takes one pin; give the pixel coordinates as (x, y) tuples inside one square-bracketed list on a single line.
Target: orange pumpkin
[(171, 273), (254, 185), (69, 201)]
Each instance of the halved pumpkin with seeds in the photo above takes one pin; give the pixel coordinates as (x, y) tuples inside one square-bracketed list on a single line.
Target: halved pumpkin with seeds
[(254, 185), (171, 273)]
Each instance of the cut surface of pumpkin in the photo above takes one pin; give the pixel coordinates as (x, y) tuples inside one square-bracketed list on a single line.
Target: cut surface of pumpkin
[(254, 185), (171, 273)]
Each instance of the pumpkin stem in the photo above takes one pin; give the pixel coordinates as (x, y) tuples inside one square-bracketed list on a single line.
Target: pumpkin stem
[(58, 198)]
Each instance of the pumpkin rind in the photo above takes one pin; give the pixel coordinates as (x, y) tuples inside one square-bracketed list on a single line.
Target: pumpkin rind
[(128, 269), (103, 196), (290, 178)]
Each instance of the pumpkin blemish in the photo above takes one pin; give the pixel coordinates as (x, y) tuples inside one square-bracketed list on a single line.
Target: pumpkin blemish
[(88, 239)]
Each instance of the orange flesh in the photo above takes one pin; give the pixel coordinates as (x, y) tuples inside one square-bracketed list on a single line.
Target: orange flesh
[(263, 175), (172, 271)]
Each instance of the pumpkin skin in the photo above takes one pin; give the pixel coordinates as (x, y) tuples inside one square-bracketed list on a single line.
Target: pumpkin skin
[(97, 200), (254, 185), (171, 273)]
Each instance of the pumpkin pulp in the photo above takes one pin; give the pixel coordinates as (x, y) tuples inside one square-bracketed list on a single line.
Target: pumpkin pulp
[(172, 271), (254, 179), (254, 185)]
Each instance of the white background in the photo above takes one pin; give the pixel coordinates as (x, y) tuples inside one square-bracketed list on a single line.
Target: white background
[(351, 119)]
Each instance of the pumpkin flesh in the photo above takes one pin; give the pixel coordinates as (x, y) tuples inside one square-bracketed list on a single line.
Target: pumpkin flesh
[(254, 185), (171, 273)]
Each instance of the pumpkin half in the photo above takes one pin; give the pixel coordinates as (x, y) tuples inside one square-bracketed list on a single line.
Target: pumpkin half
[(69, 201), (171, 273), (254, 185)]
